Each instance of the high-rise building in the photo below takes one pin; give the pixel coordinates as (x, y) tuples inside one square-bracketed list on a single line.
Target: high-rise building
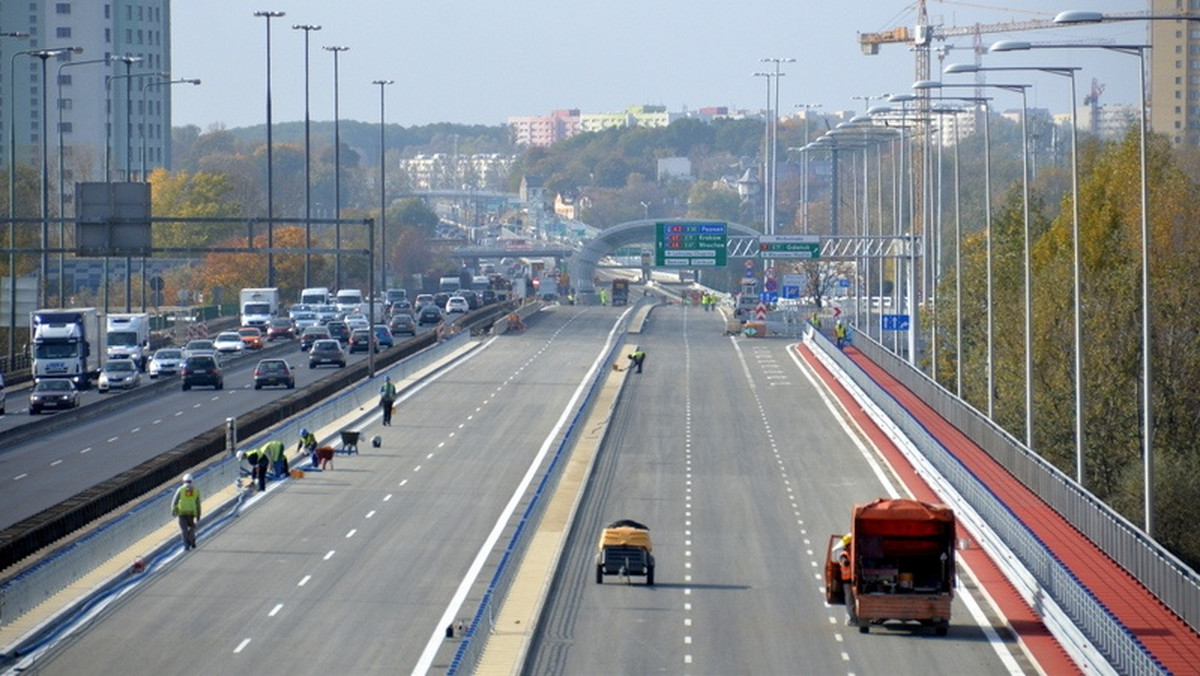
[(98, 113), (1174, 77)]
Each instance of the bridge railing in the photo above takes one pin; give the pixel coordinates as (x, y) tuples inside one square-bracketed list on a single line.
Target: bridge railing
[(1117, 643)]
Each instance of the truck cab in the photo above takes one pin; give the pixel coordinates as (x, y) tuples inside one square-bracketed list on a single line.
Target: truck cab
[(128, 337), (625, 550)]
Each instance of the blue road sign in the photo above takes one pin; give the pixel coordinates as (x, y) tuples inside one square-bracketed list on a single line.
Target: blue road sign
[(768, 296), (791, 291), (894, 322)]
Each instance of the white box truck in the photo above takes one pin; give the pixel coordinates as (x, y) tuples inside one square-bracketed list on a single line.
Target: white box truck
[(67, 344), (259, 306), (128, 337)]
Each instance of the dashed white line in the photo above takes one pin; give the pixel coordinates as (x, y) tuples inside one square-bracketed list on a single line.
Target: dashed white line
[(329, 554), (370, 513), (304, 580), (85, 450), (241, 646), (112, 439), (404, 482), (351, 533), (135, 430), (55, 463), (19, 477), (387, 497), (275, 611)]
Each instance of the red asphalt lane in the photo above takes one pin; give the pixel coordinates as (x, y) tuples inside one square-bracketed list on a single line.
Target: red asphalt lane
[(1170, 640)]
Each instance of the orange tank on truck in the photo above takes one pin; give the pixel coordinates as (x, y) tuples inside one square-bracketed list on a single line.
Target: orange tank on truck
[(901, 564)]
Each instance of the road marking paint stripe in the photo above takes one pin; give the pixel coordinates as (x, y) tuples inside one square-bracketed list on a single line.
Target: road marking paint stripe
[(245, 642), (275, 611), (370, 513), (20, 476), (329, 554), (351, 533), (304, 580), (56, 462)]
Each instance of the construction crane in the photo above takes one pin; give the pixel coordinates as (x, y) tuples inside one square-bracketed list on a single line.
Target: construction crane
[(1092, 100), (922, 36)]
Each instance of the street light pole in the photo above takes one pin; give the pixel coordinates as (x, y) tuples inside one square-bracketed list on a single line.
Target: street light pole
[(1068, 72), (308, 29), (337, 169), (382, 185), (45, 55), (1147, 373), (766, 160), (804, 167), (774, 137), (62, 198), (128, 61), (12, 214), (268, 15)]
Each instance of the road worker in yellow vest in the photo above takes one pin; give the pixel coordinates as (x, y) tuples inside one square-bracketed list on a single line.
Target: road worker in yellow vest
[(186, 506)]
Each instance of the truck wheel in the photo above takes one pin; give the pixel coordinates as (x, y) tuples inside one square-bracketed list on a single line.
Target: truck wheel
[(599, 573), (650, 576), (942, 628), (864, 628)]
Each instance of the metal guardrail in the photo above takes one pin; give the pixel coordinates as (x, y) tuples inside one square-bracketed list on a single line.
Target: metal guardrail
[(46, 578), (1123, 650), (466, 657)]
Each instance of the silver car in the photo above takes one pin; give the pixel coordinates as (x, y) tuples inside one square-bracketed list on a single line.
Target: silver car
[(166, 362), (119, 373)]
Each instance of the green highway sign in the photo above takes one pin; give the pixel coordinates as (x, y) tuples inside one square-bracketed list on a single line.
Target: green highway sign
[(789, 246), (690, 245)]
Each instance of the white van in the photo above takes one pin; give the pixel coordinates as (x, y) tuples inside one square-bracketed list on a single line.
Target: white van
[(349, 301)]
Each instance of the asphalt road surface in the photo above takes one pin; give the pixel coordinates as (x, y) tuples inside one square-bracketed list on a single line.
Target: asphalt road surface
[(727, 451), (722, 446)]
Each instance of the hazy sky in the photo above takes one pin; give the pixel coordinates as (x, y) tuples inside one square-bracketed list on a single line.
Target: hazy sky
[(482, 61)]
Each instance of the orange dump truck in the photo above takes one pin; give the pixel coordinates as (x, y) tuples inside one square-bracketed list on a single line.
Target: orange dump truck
[(896, 565)]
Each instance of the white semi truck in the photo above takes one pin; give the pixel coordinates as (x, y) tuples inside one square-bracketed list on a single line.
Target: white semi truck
[(67, 344), (128, 337), (259, 307)]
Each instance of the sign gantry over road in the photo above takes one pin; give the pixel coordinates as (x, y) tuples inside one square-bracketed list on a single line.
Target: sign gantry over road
[(790, 246), (690, 245)]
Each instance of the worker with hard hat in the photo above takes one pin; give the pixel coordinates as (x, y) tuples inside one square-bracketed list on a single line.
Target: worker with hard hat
[(186, 506), (308, 444), (841, 554)]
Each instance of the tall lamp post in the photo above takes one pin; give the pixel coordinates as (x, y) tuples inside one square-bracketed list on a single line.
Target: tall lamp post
[(45, 55), (268, 15), (308, 29), (766, 163), (62, 197), (773, 137), (128, 60), (1068, 72), (382, 185), (804, 167), (12, 183), (12, 226), (1147, 375), (337, 169)]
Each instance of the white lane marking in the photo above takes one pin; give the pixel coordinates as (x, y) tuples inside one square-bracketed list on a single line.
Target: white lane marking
[(687, 640), (245, 642), (156, 422), (20, 476), (179, 413), (304, 580), (417, 469), (387, 497), (275, 611), (112, 439), (196, 405), (351, 533), (329, 554), (404, 482), (429, 456), (135, 430), (56, 462), (687, 659), (436, 639), (370, 513), (85, 450)]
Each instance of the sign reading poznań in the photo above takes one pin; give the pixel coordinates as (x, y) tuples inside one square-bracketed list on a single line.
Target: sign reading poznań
[(789, 246), (690, 245)]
